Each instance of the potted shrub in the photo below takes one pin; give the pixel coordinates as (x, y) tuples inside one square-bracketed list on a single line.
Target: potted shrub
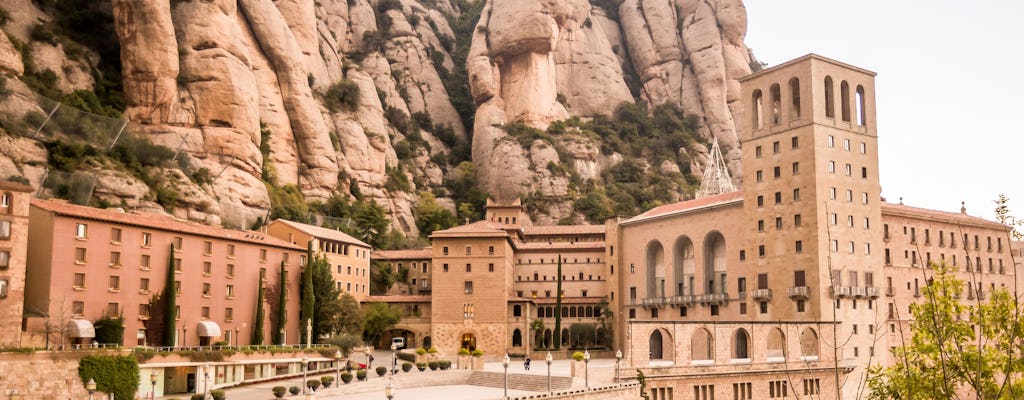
[(406, 367), (421, 366), (218, 394), (198, 396), (313, 384), (577, 364), (381, 371), (361, 374), (346, 377), (294, 390), (279, 391), (421, 355), (478, 359), (432, 353), (444, 364), (464, 359), (434, 365), (327, 380)]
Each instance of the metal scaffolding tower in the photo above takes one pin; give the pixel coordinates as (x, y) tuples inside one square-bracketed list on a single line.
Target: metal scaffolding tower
[(716, 178)]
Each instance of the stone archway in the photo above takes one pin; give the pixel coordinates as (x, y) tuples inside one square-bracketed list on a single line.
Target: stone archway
[(655, 343), (467, 341)]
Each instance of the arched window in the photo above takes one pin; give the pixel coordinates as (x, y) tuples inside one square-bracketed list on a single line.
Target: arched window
[(565, 336), (830, 101), (682, 266), (655, 343), (756, 105), (861, 113), (517, 310), (579, 311), (655, 269), (714, 263), (565, 312), (776, 94), (776, 344), (702, 345), (517, 338), (540, 312), (549, 312), (809, 343), (844, 98), (741, 344), (794, 95), (547, 338)]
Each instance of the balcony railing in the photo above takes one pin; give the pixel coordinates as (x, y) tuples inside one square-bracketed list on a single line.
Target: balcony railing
[(872, 292), (713, 298), (682, 301), (653, 302), (761, 295), (798, 292), (841, 291), (858, 292)]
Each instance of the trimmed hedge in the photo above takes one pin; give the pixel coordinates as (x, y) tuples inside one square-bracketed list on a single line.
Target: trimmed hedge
[(218, 394), (118, 375), (406, 367), (313, 384), (361, 374), (406, 356), (434, 365), (445, 364), (346, 377), (327, 380), (279, 391), (421, 366), (294, 390), (381, 371)]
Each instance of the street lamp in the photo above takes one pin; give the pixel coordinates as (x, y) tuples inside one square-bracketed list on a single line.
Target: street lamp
[(389, 391), (337, 367), (304, 386), (91, 387), (152, 379), (504, 362), (236, 337), (548, 359), (586, 368), (618, 361)]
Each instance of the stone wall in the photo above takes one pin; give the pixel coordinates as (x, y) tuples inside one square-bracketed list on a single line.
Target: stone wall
[(43, 375), (611, 392)]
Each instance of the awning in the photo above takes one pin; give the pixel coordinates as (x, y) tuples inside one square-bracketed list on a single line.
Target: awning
[(81, 328), (208, 329)]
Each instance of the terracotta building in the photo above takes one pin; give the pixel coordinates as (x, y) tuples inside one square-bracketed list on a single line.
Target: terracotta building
[(349, 257), (85, 263)]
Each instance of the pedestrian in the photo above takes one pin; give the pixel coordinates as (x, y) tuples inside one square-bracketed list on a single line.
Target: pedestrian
[(526, 364)]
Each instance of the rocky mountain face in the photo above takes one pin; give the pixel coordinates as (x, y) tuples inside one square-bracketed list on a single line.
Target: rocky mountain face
[(380, 99)]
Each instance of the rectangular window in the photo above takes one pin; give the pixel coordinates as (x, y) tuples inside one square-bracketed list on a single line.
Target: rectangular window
[(177, 265), (469, 267), (80, 255), (863, 148), (205, 313), (207, 268), (207, 247), (777, 172), (115, 259), (796, 220), (760, 175), (113, 308), (231, 270), (832, 193), (81, 231), (177, 287), (848, 170), (757, 151), (231, 250), (831, 141), (796, 195), (444, 267), (864, 172), (263, 254), (743, 255), (5, 259), (846, 144), (144, 310), (796, 168), (207, 290), (490, 267), (778, 223), (115, 235), (760, 250), (144, 284), (490, 250), (469, 250), (229, 314), (444, 250), (831, 167), (177, 242), (760, 201), (229, 291), (144, 262), (794, 142), (760, 225), (849, 195), (147, 239), (114, 283), (78, 308), (79, 281), (775, 147), (799, 246), (778, 197)]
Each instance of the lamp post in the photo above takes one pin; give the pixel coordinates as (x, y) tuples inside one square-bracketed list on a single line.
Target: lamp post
[(304, 386), (152, 380), (618, 361), (548, 359), (504, 362), (91, 387), (389, 391), (337, 368), (586, 369)]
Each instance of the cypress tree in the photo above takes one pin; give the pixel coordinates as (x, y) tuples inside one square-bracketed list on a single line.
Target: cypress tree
[(170, 303), (282, 306), (257, 326), (558, 307), (308, 298)]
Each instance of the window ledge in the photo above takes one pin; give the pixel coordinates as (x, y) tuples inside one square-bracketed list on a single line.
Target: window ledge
[(207, 274), (80, 262), (739, 361), (144, 268), (702, 362), (115, 265), (114, 290), (206, 296), (114, 242), (143, 291), (143, 318), (79, 288)]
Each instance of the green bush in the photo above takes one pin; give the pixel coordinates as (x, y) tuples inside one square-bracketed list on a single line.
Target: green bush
[(118, 375), (478, 353), (109, 329), (396, 180), (218, 394), (578, 356), (434, 365), (381, 371), (406, 356), (464, 351), (421, 351), (313, 384), (294, 390), (198, 397), (406, 367), (445, 364), (346, 377), (361, 374), (421, 366), (279, 391), (432, 350), (327, 380), (342, 96)]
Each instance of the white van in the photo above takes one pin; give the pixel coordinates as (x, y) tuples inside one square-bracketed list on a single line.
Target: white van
[(398, 343)]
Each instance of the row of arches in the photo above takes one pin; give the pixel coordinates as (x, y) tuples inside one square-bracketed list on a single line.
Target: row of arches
[(847, 103), (702, 344), (682, 277), (544, 339), (567, 311)]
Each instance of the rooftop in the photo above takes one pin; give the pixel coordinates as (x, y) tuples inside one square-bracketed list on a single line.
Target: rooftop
[(478, 228), (561, 246), (564, 230), (689, 205), (408, 298), (402, 254), (160, 222), (941, 216), (322, 233)]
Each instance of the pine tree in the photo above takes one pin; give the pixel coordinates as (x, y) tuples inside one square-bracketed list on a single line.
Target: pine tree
[(308, 298), (170, 303), (257, 325), (557, 337)]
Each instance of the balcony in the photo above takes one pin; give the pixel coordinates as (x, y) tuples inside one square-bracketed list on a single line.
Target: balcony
[(859, 292), (890, 291), (872, 292), (761, 295), (653, 302), (713, 298), (682, 301), (798, 292), (841, 291)]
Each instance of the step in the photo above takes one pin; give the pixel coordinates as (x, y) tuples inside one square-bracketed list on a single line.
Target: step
[(530, 383)]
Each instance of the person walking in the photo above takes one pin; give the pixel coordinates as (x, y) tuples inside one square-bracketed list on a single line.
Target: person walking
[(526, 364)]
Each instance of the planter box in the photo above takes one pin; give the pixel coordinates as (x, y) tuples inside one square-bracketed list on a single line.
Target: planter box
[(465, 362), (577, 368), (478, 363)]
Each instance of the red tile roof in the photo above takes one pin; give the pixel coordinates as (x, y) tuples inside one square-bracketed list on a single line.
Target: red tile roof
[(940, 216), (564, 230), (321, 232), (688, 205), (160, 222), (561, 246), (478, 228), (397, 299), (402, 254)]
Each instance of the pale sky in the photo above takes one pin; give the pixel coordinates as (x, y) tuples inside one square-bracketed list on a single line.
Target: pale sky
[(949, 90)]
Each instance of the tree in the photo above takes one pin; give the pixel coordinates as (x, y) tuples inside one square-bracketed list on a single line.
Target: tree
[(557, 337), (430, 216), (1003, 217), (155, 323), (326, 294), (110, 329), (956, 347), (308, 297), (257, 325), (280, 311), (169, 297), (379, 317), (350, 317)]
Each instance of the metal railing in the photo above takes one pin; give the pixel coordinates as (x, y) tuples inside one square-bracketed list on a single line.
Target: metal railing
[(798, 292), (762, 294)]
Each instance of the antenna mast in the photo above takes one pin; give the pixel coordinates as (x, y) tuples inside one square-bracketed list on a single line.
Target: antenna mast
[(716, 178)]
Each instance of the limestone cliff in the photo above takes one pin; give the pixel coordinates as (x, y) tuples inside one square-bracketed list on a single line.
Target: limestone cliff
[(375, 98)]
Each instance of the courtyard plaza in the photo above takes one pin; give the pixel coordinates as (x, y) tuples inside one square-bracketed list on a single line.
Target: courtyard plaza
[(426, 385)]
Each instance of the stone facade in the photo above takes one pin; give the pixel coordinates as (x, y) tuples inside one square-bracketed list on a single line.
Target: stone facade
[(43, 375), (349, 257), (14, 206)]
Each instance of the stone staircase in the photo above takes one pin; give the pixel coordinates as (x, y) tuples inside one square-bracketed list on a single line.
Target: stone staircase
[(530, 383)]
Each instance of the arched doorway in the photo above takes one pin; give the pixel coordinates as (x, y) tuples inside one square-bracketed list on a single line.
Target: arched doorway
[(426, 342), (409, 336), (517, 338), (655, 269), (741, 344), (547, 338), (468, 341), (655, 343)]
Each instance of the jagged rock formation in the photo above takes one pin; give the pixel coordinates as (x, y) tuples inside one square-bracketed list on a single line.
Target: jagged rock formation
[(217, 78), (526, 54)]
